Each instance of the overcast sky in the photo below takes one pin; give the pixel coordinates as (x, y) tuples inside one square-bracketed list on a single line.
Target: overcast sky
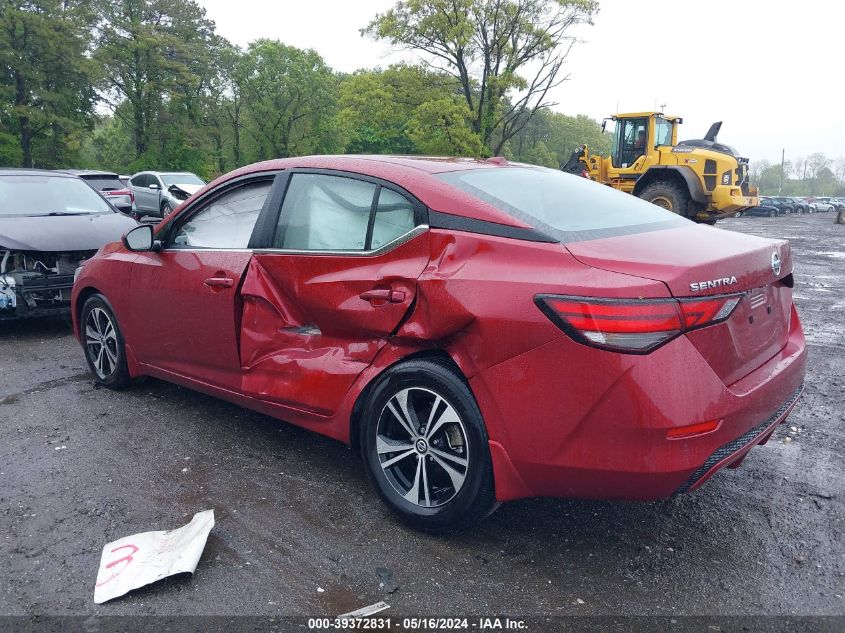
[(771, 70)]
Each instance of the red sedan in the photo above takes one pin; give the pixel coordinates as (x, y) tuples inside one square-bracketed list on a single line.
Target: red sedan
[(477, 331)]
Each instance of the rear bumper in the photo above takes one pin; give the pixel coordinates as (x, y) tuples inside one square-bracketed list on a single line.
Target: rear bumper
[(597, 427), (734, 451)]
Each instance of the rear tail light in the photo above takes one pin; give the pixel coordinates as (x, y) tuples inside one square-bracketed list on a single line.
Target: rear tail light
[(121, 192), (636, 326)]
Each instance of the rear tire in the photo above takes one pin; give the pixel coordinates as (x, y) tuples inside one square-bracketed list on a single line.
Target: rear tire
[(425, 447), (103, 343), (667, 195)]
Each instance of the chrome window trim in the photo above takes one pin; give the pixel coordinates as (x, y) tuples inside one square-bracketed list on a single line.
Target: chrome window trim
[(384, 248), (395, 243)]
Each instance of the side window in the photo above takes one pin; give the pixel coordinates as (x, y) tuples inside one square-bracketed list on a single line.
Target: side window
[(394, 217), (663, 132), (139, 181), (323, 212), (634, 141), (227, 221)]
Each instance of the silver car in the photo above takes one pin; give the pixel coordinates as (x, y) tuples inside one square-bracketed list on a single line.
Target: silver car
[(158, 193)]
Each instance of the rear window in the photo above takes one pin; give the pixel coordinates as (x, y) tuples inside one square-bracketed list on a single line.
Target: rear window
[(567, 207), (181, 179), (104, 183)]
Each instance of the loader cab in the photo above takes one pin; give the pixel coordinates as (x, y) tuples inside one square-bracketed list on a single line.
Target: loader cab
[(636, 135)]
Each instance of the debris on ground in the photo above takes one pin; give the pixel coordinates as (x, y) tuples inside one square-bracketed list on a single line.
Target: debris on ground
[(385, 580), (364, 612), (141, 559)]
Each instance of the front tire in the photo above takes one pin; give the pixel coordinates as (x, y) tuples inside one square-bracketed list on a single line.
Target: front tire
[(425, 447), (166, 209), (103, 342), (667, 195)]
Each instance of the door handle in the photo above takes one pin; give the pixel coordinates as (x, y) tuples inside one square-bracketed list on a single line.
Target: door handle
[(386, 295), (219, 282)]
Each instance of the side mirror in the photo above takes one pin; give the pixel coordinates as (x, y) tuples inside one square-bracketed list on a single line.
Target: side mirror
[(141, 238), (154, 186)]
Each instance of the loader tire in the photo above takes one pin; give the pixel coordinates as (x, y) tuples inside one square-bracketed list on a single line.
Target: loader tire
[(669, 196)]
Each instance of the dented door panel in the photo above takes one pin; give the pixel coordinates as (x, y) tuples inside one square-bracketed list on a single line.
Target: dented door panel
[(306, 330)]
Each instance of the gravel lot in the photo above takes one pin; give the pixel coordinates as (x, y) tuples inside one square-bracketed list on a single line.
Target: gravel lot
[(300, 532)]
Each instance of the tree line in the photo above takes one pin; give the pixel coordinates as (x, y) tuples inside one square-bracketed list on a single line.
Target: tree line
[(815, 175), (127, 85)]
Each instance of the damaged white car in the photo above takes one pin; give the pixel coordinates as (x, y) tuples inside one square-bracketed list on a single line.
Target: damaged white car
[(158, 193), (50, 223)]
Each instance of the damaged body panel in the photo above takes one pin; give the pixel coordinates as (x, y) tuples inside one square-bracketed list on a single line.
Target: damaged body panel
[(50, 224), (36, 283), (312, 324)]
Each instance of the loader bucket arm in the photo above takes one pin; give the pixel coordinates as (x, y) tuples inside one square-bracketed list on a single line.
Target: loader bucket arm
[(575, 165)]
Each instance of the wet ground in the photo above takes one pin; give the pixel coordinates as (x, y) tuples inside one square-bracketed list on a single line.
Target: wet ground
[(299, 531)]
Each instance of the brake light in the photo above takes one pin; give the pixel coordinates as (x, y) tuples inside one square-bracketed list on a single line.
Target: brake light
[(636, 326), (121, 192)]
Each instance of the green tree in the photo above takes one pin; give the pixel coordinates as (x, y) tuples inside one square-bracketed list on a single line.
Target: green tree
[(152, 53), (289, 97), (442, 127), (45, 83), (395, 111), (506, 54), (560, 135)]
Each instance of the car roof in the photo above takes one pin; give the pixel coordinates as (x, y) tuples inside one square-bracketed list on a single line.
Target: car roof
[(161, 173), (90, 172), (413, 173), (28, 171)]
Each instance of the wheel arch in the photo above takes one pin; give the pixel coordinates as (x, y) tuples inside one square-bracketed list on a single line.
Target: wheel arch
[(682, 176), (81, 298), (358, 407)]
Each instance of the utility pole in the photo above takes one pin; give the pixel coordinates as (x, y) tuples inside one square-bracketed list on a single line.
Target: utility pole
[(782, 161)]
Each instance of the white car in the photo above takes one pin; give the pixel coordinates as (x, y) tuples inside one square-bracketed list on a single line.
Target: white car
[(833, 202), (820, 206), (158, 192)]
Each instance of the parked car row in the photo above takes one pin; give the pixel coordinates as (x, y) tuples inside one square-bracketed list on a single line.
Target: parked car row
[(51, 222), (146, 193), (774, 206)]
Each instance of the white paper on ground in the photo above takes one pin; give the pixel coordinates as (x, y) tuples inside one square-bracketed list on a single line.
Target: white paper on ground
[(138, 560), (364, 611)]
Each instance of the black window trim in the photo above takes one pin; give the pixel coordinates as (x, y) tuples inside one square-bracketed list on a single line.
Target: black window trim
[(168, 234), (448, 221), (263, 238)]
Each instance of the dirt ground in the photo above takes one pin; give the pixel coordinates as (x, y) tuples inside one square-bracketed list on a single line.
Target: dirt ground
[(300, 532)]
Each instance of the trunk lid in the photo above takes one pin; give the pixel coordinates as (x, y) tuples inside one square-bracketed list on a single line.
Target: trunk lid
[(697, 261)]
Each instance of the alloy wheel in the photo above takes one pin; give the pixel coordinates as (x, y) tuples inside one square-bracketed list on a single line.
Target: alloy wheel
[(422, 447), (101, 342)]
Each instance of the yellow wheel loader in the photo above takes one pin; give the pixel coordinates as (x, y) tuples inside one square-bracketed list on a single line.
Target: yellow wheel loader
[(701, 179)]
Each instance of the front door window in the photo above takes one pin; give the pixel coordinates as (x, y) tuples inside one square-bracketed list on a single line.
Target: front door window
[(631, 139)]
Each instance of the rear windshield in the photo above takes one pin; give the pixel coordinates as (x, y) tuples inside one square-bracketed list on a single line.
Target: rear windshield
[(567, 207), (104, 183), (181, 179), (45, 195)]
